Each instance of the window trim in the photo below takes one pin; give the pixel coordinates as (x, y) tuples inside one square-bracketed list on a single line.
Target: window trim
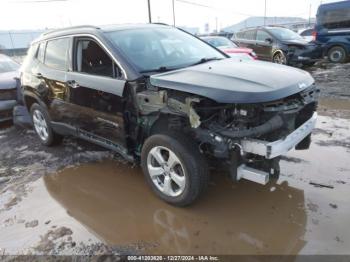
[(38, 50), (75, 40), (124, 75)]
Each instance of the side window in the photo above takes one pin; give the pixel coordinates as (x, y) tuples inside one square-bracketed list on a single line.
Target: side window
[(249, 35), (90, 58), (336, 19), (56, 53), (41, 52), (262, 35), (239, 35)]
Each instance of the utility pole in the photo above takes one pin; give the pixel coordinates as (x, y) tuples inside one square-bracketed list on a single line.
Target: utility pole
[(310, 15), (149, 11), (174, 13), (265, 14)]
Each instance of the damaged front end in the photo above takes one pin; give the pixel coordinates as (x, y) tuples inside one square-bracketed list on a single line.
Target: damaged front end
[(247, 138)]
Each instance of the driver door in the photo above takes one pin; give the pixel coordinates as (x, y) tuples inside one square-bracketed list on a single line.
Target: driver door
[(263, 47)]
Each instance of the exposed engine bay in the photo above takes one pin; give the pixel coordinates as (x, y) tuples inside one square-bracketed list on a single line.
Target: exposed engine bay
[(234, 133)]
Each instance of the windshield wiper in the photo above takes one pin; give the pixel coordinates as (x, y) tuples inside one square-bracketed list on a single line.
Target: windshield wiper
[(166, 69), (159, 69), (206, 59)]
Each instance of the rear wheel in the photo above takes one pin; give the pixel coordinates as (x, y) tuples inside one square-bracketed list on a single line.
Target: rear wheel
[(174, 168), (337, 54), (43, 127), (279, 58)]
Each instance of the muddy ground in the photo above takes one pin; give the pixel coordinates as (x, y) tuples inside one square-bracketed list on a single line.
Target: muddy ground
[(78, 198)]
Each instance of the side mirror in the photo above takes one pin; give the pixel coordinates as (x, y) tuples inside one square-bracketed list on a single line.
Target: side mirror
[(268, 40)]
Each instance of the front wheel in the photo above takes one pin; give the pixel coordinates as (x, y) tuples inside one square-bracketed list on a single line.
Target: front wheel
[(174, 168), (42, 126), (279, 58)]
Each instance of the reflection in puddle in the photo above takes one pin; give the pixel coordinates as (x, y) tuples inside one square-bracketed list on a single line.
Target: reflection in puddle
[(114, 202)]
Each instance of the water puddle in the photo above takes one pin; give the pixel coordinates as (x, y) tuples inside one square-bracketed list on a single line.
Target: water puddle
[(116, 204)]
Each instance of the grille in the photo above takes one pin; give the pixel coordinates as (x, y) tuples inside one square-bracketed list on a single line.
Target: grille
[(5, 114), (8, 94)]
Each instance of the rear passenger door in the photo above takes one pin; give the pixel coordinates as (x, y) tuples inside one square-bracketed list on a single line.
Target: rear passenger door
[(51, 73), (96, 87)]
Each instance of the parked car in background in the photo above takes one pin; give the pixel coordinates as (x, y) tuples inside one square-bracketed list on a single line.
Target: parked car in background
[(9, 87), (229, 47), (167, 100), (279, 45), (307, 34), (333, 30)]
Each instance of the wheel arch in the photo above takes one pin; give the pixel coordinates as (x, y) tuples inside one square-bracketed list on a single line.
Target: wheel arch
[(30, 98), (275, 52), (336, 44)]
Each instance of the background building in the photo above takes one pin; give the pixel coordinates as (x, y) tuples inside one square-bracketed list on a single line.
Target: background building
[(16, 43)]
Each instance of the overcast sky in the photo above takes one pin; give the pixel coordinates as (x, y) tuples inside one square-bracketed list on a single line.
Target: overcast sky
[(40, 14)]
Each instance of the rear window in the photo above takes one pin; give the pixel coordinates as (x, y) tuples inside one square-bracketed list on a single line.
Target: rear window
[(56, 53), (335, 19), (307, 32), (246, 35), (220, 42)]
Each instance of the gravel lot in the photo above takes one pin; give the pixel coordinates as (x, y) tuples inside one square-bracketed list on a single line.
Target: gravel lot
[(78, 198)]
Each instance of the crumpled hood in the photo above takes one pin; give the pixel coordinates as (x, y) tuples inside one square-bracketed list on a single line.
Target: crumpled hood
[(230, 81), (301, 42), (7, 80)]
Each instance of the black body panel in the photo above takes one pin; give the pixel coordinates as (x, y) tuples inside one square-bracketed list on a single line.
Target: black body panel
[(229, 81)]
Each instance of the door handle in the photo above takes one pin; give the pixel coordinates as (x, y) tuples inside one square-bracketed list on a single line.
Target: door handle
[(73, 84)]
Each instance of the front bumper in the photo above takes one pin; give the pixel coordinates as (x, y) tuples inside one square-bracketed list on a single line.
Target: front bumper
[(311, 53), (276, 148), (6, 108)]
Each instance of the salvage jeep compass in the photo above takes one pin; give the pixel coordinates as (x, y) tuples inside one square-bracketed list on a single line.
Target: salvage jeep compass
[(169, 101)]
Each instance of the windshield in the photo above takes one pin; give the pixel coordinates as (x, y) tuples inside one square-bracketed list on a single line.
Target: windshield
[(7, 65), (220, 42), (285, 34), (150, 49)]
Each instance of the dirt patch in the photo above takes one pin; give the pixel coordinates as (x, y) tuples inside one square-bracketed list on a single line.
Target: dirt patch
[(332, 79)]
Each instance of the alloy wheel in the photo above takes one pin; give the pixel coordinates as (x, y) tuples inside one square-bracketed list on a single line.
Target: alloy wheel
[(40, 125), (336, 56), (166, 171), (280, 59)]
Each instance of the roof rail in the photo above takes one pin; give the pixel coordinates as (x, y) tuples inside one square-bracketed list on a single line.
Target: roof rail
[(68, 28)]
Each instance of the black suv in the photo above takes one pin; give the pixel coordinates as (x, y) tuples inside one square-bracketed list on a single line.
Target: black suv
[(280, 45), (169, 101)]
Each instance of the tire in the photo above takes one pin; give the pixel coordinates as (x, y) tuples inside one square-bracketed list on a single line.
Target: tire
[(337, 54), (280, 58), (186, 179), (42, 126)]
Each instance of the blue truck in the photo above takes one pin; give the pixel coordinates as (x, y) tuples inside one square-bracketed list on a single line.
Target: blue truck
[(332, 30)]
